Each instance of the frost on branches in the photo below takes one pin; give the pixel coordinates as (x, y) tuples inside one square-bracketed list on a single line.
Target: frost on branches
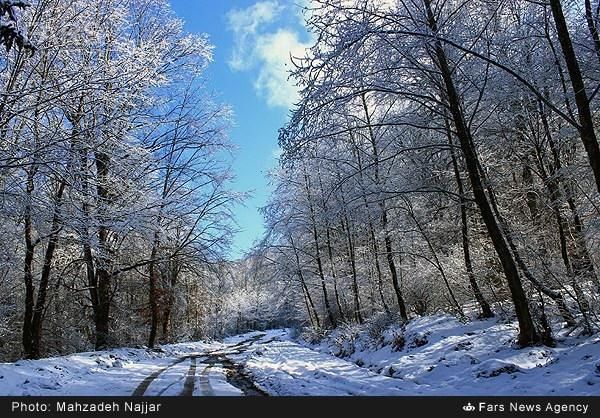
[(114, 179), (10, 32), (443, 156)]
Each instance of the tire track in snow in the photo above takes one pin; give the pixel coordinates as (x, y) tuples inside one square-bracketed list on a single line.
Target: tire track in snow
[(205, 387), (234, 374), (188, 386), (142, 387)]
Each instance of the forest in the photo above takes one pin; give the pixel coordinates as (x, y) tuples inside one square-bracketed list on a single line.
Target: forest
[(442, 158), (114, 178)]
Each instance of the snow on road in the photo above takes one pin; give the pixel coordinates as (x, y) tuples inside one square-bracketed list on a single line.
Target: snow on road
[(277, 365), (170, 382), (116, 372), (283, 367)]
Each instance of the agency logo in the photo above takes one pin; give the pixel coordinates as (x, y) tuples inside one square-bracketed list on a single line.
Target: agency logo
[(468, 407)]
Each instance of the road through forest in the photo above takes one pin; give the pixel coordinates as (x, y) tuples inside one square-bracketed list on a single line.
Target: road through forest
[(441, 356)]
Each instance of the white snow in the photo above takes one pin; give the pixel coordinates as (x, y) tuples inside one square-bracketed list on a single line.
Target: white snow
[(286, 368), (435, 355), (478, 358), (115, 372)]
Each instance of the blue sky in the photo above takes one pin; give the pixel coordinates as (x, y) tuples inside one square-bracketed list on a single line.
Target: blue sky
[(253, 41)]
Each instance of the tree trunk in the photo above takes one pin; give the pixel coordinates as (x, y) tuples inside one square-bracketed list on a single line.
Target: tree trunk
[(587, 133), (330, 254), (103, 262), (88, 256), (375, 247), (527, 331), (531, 197), (28, 268), (352, 257), (166, 317), (389, 254), (384, 217), (40, 304), (310, 305), (102, 317), (333, 275), (592, 28), (486, 311), (318, 252), (154, 294)]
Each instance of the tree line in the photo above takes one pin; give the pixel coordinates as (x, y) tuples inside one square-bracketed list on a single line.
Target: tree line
[(443, 156), (114, 177)]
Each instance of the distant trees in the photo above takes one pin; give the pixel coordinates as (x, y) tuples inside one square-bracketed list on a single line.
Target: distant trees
[(431, 133)]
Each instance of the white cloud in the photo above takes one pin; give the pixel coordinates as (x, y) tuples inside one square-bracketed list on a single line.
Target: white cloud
[(275, 51), (261, 43), (245, 24), (248, 20)]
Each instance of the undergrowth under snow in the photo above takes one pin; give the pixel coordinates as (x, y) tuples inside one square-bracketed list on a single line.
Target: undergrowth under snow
[(440, 355)]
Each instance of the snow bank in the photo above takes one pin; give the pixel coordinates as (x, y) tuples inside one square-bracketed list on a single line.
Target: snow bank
[(443, 356)]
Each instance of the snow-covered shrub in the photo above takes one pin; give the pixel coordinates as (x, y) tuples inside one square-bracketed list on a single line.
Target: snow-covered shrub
[(313, 335), (399, 342), (376, 327), (344, 339), (494, 368), (420, 296), (417, 339)]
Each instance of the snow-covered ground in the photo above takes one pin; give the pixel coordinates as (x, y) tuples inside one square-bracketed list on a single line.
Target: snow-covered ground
[(435, 355), (439, 355), (113, 372), (283, 367)]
